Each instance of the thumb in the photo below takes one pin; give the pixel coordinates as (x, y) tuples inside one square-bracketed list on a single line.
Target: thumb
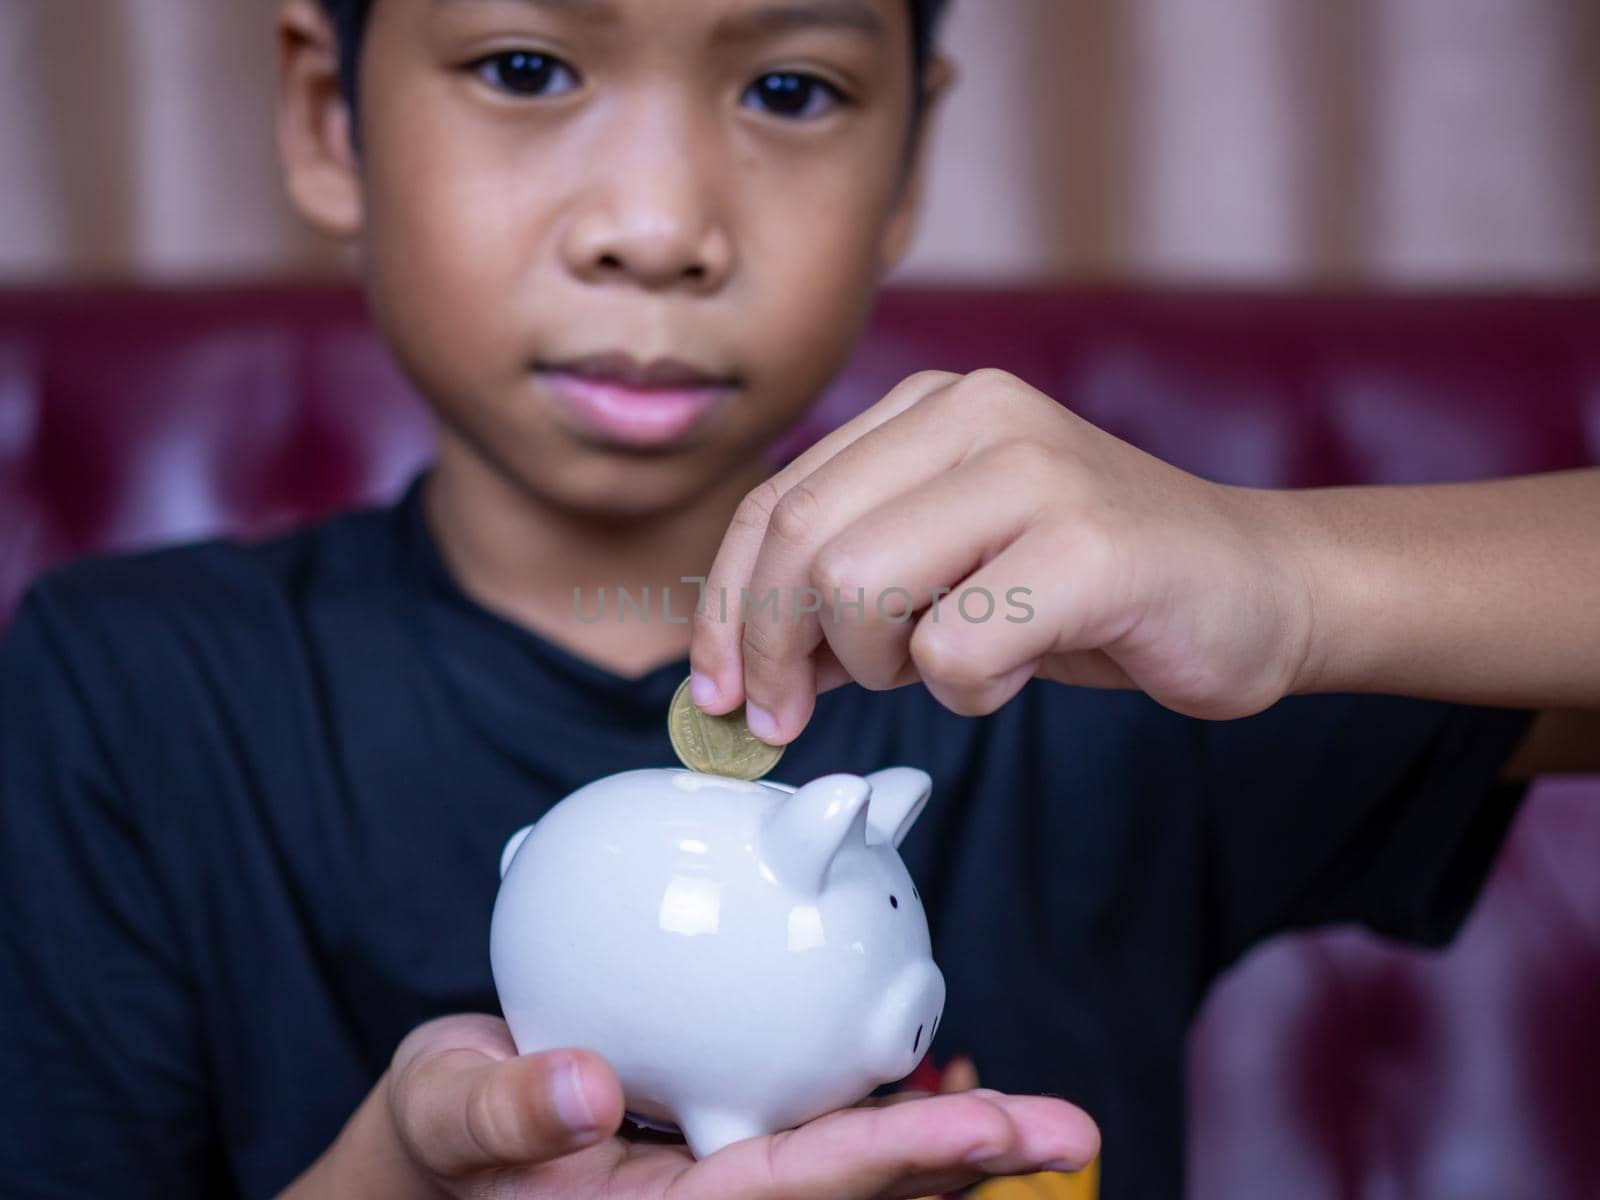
[(460, 1111)]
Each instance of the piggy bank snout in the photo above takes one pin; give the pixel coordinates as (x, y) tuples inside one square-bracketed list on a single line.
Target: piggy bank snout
[(906, 1019)]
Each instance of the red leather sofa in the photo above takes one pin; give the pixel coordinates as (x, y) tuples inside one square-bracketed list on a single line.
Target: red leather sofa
[(1325, 1065)]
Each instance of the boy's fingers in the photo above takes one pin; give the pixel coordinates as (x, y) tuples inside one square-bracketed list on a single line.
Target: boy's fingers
[(925, 541), (974, 668), (829, 671), (904, 1149), (1052, 1135), (805, 559), (716, 645), (857, 1153), (460, 1111)]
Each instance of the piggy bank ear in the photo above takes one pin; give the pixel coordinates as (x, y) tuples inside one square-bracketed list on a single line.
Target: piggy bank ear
[(899, 795), (801, 836), (513, 844)]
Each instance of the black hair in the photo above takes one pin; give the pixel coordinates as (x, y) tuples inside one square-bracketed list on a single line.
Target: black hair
[(350, 24)]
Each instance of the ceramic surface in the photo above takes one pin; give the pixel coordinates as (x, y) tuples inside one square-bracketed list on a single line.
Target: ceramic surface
[(746, 955)]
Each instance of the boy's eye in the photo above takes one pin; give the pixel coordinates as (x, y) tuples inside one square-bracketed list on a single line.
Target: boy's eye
[(793, 95), (524, 73)]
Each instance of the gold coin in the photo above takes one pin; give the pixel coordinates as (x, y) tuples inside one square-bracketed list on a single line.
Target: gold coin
[(717, 745)]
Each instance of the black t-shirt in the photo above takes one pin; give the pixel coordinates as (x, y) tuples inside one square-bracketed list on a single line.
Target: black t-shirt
[(252, 800)]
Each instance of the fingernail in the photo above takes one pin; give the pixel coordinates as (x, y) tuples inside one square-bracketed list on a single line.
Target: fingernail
[(572, 1106), (1064, 1166), (984, 1154), (703, 689), (762, 723)]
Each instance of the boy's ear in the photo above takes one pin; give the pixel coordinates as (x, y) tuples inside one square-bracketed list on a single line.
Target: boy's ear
[(320, 171), (937, 77)]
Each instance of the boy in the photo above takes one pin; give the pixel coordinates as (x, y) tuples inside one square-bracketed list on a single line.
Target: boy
[(253, 797)]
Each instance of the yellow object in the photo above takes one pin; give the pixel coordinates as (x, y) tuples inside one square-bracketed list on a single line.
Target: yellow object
[(1049, 1185)]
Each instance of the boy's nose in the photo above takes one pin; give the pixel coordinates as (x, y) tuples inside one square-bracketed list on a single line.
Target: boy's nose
[(656, 237)]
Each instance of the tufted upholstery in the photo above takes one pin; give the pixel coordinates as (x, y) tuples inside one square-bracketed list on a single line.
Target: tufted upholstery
[(1325, 1065)]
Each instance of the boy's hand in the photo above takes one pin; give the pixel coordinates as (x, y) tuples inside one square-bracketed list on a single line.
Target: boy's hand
[(462, 1115), (971, 488)]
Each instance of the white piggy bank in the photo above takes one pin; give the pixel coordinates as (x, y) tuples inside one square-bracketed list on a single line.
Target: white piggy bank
[(746, 955)]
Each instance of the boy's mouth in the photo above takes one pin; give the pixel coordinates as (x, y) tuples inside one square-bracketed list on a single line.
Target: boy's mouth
[(622, 399)]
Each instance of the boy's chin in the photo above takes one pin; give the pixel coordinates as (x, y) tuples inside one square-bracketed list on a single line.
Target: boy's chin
[(612, 488)]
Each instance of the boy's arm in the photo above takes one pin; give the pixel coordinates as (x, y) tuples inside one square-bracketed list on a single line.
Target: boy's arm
[(1217, 601), (1485, 593), (103, 1081)]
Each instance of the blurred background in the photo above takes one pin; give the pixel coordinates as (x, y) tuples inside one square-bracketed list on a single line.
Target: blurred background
[(1277, 143)]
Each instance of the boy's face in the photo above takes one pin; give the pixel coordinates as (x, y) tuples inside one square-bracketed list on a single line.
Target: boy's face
[(619, 244)]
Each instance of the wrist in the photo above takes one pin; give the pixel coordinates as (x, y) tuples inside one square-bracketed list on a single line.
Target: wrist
[(1378, 600), (1327, 588)]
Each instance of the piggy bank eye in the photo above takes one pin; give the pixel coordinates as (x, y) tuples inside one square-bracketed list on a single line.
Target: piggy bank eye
[(916, 893), (894, 901)]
